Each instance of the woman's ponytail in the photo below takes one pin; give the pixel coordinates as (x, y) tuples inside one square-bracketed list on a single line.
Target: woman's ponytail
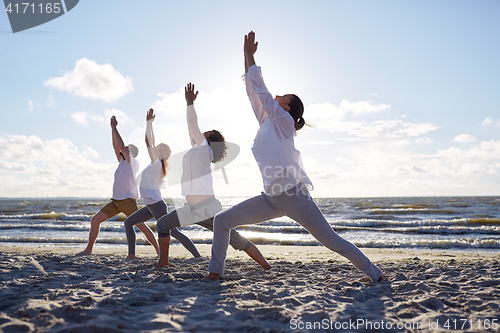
[(164, 154), (299, 123), (296, 111), (164, 167)]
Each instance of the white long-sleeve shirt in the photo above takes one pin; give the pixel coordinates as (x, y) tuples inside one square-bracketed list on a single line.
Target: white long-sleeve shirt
[(274, 150)]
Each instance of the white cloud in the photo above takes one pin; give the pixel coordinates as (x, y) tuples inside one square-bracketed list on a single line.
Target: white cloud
[(33, 167), (364, 171), (337, 119), (392, 129), (362, 107), (80, 117), (50, 100), (173, 105), (328, 111), (487, 121), (423, 141), (485, 151), (31, 106), (464, 138), (121, 116), (90, 153), (7, 166), (316, 143), (89, 79), (380, 129), (83, 117)]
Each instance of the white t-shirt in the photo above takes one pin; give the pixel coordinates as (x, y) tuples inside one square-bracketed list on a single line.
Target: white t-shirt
[(196, 173), (151, 181), (125, 186), (274, 149)]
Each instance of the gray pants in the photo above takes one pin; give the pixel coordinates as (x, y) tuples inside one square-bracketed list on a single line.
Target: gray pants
[(202, 210), (295, 203), (146, 213)]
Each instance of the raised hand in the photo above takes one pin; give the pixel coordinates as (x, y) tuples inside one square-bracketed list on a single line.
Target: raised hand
[(190, 94), (114, 122), (150, 115), (250, 45)]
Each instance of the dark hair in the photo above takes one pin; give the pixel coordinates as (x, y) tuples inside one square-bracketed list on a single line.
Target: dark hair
[(164, 166), (217, 143), (296, 111)]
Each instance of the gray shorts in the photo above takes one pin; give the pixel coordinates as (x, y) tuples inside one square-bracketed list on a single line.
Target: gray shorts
[(191, 214)]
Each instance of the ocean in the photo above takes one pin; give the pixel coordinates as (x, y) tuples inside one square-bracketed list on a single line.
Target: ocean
[(400, 222)]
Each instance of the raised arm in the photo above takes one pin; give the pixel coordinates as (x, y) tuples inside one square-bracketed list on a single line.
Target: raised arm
[(249, 48), (150, 138), (118, 145), (195, 134), (257, 91)]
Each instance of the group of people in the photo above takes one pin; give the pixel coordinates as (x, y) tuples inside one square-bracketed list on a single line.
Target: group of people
[(286, 184)]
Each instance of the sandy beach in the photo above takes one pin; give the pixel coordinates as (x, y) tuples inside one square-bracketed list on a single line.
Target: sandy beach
[(309, 289)]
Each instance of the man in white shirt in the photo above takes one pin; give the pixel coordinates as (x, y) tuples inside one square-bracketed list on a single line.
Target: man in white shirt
[(125, 193)]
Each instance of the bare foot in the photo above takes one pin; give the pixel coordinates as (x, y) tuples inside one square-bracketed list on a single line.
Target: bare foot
[(382, 278), (267, 267), (131, 256), (160, 264), (84, 253), (212, 277)]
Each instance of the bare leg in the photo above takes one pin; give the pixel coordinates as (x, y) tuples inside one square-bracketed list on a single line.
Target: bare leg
[(95, 225), (255, 254), (149, 235), (164, 248)]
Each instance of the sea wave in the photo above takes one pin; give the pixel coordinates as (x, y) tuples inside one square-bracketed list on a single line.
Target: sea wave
[(439, 222), (461, 243)]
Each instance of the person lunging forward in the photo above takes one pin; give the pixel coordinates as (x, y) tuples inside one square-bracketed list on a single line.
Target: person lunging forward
[(151, 181), (286, 184), (196, 185), (124, 199)]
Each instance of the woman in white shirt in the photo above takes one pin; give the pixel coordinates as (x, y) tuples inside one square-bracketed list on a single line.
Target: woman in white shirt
[(152, 179), (196, 186), (124, 199), (286, 184)]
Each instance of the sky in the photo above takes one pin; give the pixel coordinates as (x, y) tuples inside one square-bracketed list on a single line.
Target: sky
[(403, 97)]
